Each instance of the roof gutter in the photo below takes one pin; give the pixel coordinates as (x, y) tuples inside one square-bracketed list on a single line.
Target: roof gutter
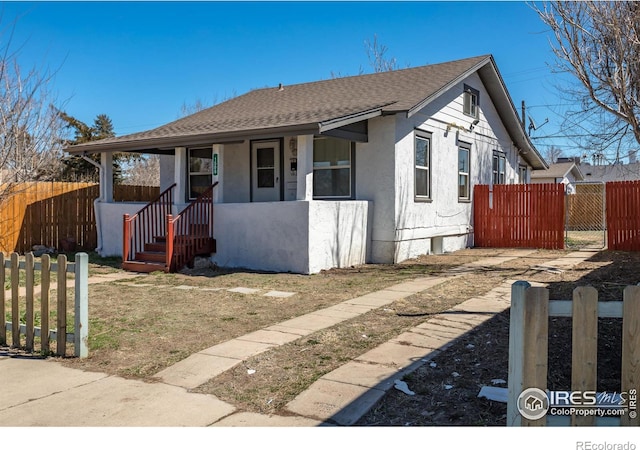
[(170, 142)]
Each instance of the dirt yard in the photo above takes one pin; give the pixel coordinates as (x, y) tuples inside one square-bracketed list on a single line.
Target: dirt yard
[(139, 327)]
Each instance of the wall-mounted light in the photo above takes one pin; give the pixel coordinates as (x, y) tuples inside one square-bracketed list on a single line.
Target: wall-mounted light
[(475, 122)]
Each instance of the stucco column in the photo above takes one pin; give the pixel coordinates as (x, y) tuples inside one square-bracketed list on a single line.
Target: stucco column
[(305, 168), (106, 177), (217, 172), (180, 175)]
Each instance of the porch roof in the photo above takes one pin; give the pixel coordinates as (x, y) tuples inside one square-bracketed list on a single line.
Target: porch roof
[(321, 107)]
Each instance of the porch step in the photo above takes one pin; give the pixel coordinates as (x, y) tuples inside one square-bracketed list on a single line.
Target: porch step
[(143, 266), (155, 247), (151, 257)]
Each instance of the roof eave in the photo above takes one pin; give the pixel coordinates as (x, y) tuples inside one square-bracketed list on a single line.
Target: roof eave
[(171, 142), (338, 122)]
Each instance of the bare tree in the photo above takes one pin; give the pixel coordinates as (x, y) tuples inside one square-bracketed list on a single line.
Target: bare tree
[(30, 128), (598, 44), (552, 153), (145, 171), (377, 58), (197, 106)]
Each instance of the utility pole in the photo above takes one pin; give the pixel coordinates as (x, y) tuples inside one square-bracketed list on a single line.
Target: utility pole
[(524, 118)]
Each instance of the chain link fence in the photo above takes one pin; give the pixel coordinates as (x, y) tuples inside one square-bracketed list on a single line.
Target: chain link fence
[(585, 226)]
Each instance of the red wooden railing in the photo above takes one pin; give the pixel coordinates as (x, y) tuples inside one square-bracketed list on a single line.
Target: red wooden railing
[(146, 224), (191, 232), (519, 215)]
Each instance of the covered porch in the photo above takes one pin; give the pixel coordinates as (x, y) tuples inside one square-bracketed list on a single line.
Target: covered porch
[(267, 211)]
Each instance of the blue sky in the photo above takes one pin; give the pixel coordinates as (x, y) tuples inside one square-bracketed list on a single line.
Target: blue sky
[(140, 62)]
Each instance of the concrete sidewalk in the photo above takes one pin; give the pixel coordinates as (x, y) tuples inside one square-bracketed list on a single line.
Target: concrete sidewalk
[(37, 392)]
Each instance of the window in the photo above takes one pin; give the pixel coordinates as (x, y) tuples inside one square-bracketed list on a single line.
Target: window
[(522, 174), (423, 163), (499, 163), (332, 168), (471, 101), (464, 188), (200, 171)]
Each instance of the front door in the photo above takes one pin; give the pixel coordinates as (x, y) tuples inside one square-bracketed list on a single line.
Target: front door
[(265, 171)]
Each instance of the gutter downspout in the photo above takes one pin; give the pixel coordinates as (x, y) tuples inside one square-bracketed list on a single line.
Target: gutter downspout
[(96, 201)]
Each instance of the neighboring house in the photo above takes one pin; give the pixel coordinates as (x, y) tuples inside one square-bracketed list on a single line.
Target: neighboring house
[(372, 168), (611, 172), (566, 173)]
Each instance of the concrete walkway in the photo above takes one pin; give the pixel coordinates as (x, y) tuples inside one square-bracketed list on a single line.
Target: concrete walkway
[(43, 393)]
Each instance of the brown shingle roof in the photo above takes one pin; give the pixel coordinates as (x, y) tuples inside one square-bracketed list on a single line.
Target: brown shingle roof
[(306, 104), (559, 170)]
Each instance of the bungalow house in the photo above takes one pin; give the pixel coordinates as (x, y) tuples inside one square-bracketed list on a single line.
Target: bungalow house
[(565, 172), (372, 168)]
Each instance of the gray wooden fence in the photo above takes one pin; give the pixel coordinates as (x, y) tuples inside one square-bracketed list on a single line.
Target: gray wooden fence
[(27, 307)]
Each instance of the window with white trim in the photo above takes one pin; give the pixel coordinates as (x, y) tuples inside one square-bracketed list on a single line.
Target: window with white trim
[(422, 150), (464, 181), (471, 101), (499, 165), (333, 168), (200, 171), (522, 174)]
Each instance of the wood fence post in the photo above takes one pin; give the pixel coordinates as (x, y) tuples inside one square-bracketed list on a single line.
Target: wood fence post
[(630, 348), (45, 282), (584, 340), (536, 344), (15, 304), (29, 264), (3, 318), (81, 326), (61, 311), (516, 351)]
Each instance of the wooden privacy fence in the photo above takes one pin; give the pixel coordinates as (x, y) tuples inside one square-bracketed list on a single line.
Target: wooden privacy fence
[(47, 213), (528, 357), (519, 215), (33, 322), (623, 215)]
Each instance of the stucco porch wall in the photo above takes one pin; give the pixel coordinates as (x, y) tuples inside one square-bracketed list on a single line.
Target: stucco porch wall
[(300, 237)]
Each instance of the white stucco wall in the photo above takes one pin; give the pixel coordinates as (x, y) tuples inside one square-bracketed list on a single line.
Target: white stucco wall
[(110, 223), (297, 236), (236, 173), (444, 223), (338, 234), (375, 181)]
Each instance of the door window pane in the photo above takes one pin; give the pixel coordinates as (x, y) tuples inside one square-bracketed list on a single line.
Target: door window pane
[(200, 171), (265, 166)]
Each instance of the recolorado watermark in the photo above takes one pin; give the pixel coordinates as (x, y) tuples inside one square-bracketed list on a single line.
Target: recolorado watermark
[(590, 445), (534, 403)]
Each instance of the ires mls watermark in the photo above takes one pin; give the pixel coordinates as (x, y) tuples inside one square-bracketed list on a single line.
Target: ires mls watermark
[(534, 403)]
